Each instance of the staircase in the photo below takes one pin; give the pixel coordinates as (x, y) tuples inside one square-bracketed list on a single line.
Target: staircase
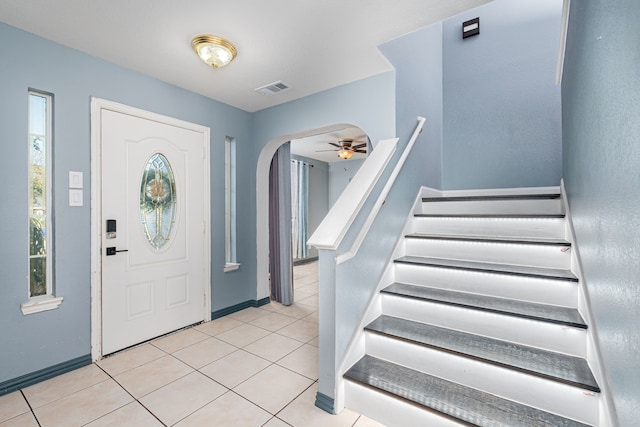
[(480, 325)]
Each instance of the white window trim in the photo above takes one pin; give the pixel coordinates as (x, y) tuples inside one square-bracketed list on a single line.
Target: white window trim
[(230, 188), (41, 303), (231, 266), (49, 301)]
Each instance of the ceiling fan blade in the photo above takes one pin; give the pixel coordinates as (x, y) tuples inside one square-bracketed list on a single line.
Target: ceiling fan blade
[(360, 151), (358, 146), (334, 144), (321, 151)]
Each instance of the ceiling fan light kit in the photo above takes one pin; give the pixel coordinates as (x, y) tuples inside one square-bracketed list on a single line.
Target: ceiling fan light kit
[(213, 50), (345, 153)]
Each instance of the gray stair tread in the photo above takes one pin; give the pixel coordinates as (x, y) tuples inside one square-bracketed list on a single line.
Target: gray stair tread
[(491, 239), (517, 270), (539, 196), (540, 312), (555, 366), (473, 215), (453, 400)]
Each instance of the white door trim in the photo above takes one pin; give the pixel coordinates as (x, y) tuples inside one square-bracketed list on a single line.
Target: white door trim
[(97, 105)]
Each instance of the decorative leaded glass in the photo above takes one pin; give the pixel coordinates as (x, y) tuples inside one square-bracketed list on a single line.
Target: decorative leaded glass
[(158, 201)]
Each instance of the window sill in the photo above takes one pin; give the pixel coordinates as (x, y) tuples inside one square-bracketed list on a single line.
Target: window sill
[(231, 266), (44, 303)]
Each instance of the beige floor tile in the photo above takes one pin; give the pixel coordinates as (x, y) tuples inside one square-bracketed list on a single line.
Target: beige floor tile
[(273, 347), (296, 310), (312, 288), (272, 306), (315, 342), (248, 314), (12, 405), (305, 280), (300, 330), (63, 385), (276, 422), (243, 335), (313, 317), (311, 301), (218, 326), (204, 352), (229, 410), (133, 414), (303, 293), (367, 422), (84, 406), (158, 373), (24, 420), (182, 397), (304, 361), (303, 412), (235, 368), (179, 340), (129, 359), (273, 388), (272, 321)]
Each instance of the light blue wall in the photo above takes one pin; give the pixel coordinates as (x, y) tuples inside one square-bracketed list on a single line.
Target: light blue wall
[(502, 118), (601, 131), (34, 342), (340, 174), (417, 58), (30, 343)]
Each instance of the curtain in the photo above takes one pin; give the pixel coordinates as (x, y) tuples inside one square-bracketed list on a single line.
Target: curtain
[(299, 207), (280, 259)]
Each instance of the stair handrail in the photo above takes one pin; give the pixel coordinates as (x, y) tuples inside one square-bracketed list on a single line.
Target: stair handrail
[(346, 256), (343, 213)]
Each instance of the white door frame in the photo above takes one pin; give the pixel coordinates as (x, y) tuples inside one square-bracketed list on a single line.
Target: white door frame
[(97, 105)]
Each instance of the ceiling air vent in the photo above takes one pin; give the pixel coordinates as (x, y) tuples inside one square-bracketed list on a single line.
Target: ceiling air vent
[(272, 88)]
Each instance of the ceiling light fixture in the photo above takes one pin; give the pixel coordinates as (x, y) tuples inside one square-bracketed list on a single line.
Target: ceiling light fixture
[(345, 153), (214, 50)]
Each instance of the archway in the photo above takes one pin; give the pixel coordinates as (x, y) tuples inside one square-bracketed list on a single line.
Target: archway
[(262, 201)]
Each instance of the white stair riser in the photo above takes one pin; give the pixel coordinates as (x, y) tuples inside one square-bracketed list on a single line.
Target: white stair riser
[(554, 337), (550, 396), (544, 291), (529, 207), (391, 412), (549, 256), (508, 227)]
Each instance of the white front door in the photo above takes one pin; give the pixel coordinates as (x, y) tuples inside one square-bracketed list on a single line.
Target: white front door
[(154, 224)]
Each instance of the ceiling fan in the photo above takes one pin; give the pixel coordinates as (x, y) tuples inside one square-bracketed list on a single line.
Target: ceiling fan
[(346, 148)]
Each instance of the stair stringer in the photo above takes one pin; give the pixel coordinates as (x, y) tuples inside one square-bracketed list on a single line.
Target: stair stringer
[(607, 416), (356, 348)]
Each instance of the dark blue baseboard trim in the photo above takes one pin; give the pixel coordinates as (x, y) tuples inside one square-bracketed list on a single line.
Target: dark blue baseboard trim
[(324, 402), (23, 381), (305, 260), (237, 307)]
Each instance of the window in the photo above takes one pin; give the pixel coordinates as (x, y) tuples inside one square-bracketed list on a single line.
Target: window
[(40, 174), (230, 204)]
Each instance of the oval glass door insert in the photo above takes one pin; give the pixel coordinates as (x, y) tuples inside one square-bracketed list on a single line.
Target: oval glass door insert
[(158, 201)]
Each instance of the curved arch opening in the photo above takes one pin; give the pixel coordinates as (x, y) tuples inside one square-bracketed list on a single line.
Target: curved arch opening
[(262, 199)]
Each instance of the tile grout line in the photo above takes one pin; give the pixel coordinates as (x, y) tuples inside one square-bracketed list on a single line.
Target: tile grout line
[(30, 408), (132, 396)]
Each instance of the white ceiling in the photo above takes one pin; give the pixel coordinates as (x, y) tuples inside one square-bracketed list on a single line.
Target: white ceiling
[(310, 45)]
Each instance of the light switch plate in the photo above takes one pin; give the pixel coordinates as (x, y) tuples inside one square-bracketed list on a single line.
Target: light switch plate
[(75, 198), (75, 179)]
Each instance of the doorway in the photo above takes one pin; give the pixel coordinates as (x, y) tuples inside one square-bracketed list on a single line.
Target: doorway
[(150, 226)]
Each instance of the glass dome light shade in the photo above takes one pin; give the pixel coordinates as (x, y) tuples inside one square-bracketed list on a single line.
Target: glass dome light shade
[(214, 51)]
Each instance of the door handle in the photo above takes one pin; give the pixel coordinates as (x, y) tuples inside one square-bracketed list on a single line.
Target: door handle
[(112, 250)]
